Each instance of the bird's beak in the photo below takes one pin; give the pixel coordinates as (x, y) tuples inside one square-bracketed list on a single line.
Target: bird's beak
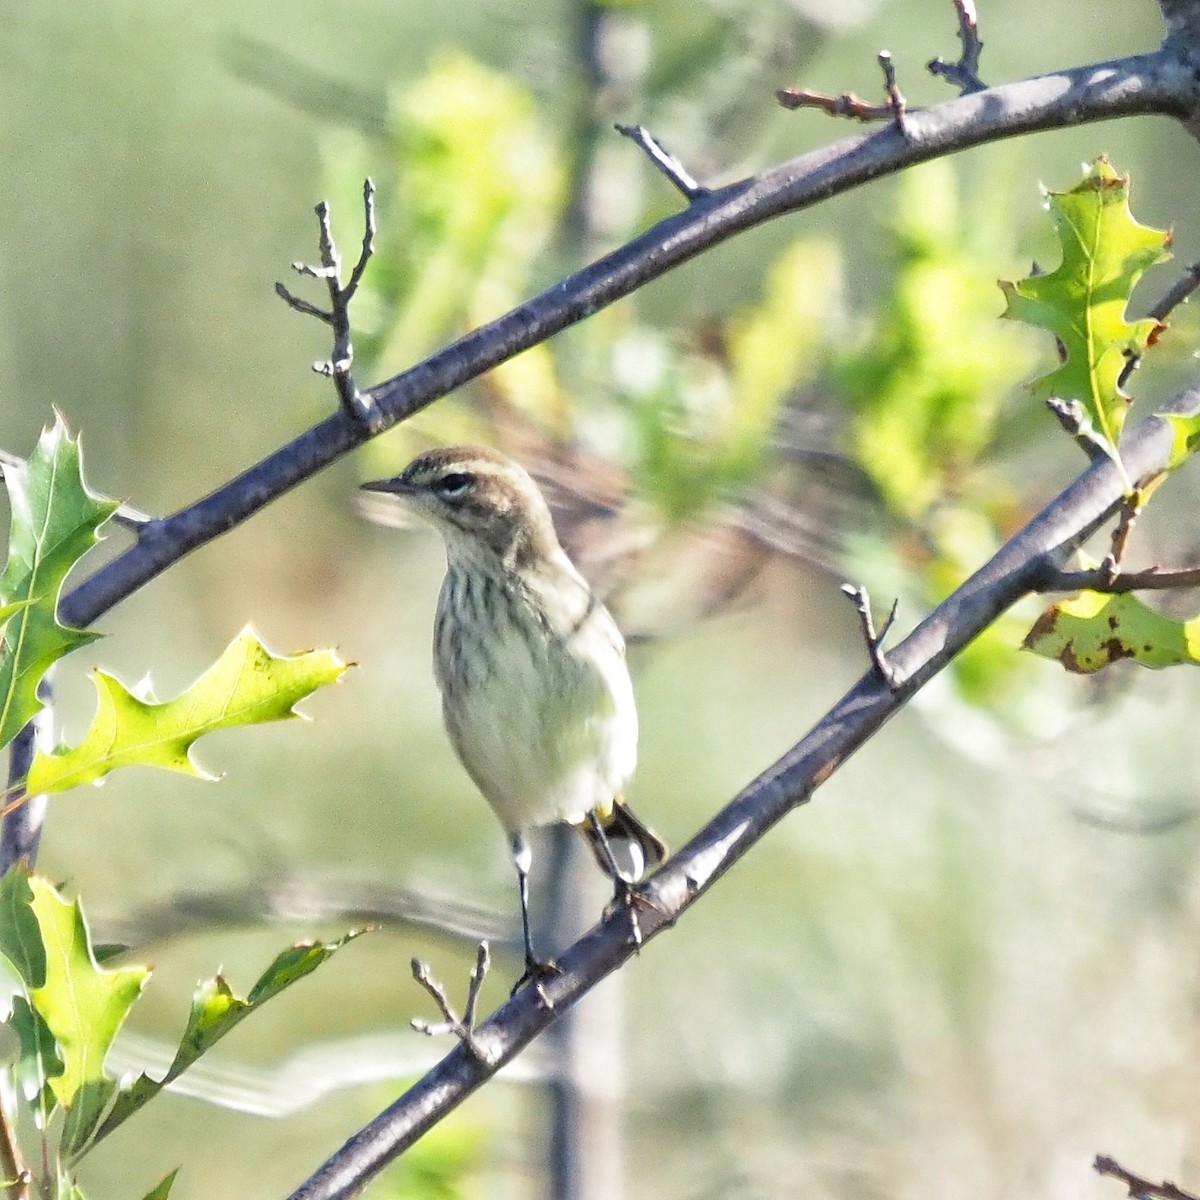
[(395, 486)]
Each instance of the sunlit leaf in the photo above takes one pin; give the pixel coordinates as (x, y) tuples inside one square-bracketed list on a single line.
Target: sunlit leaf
[(55, 520), (1185, 437), (82, 1003), (1093, 630), (247, 685), (162, 1189), (216, 1009), (1083, 301)]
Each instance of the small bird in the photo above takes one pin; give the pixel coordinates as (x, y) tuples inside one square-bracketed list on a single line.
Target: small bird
[(536, 695)]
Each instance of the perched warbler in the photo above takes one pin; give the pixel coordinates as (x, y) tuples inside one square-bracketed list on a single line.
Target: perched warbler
[(536, 696)]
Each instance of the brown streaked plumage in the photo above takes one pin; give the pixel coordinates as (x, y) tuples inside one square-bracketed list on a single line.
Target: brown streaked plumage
[(536, 696)]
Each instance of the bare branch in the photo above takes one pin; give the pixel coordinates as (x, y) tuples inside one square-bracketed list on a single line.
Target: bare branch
[(666, 162), (1103, 579), (1021, 566), (862, 604), (964, 74), (339, 367), (854, 107), (1141, 1189), (1158, 82), (1071, 417), (464, 1028)]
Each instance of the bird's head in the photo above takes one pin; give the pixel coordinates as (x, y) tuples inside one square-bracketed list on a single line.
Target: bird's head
[(482, 503)]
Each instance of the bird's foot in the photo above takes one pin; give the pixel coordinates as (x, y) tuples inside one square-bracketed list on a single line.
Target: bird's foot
[(537, 972), (462, 1027), (627, 897)]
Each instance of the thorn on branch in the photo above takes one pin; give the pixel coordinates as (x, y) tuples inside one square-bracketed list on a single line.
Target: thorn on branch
[(853, 107), (1139, 1187), (963, 74), (463, 1028), (664, 161), (862, 604), (339, 367)]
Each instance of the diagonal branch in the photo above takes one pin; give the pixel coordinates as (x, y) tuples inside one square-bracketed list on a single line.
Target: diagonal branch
[(1159, 82), (1021, 566)]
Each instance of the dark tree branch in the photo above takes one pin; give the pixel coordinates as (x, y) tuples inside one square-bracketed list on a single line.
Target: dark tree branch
[(1160, 82), (1021, 566), (1103, 579)]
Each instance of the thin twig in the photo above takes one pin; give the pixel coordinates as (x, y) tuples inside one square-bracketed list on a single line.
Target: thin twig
[(463, 1028), (897, 105), (862, 604), (964, 74), (851, 106), (339, 367), (1178, 294), (1139, 1187), (17, 1176), (666, 162), (1100, 579)]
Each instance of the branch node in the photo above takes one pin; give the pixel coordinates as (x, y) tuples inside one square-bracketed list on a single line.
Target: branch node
[(339, 366), (463, 1028), (1139, 1187), (665, 162), (862, 604), (963, 74), (852, 107)]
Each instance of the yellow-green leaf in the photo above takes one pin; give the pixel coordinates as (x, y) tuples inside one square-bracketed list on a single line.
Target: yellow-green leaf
[(1093, 630), (247, 685), (82, 1003), (1083, 301)]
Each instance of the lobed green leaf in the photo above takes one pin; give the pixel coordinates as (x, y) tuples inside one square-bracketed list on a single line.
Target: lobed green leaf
[(55, 521), (247, 685), (1083, 301)]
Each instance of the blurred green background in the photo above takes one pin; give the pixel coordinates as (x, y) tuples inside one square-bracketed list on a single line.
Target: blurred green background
[(965, 969)]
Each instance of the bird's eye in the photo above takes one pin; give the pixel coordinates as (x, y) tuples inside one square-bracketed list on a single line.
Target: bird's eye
[(453, 485)]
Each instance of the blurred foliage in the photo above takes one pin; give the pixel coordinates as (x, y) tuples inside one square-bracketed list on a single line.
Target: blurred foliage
[(66, 1011)]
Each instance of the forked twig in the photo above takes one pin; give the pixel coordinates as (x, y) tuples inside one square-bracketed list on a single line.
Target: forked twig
[(463, 1028), (964, 74), (862, 604), (339, 367), (1139, 1188)]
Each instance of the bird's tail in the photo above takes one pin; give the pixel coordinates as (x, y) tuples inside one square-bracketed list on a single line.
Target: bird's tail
[(622, 839)]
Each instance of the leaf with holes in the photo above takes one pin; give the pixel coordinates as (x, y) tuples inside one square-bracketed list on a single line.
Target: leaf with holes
[(1093, 630)]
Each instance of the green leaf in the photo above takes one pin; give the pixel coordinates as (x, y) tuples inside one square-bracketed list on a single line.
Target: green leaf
[(39, 1060), (20, 937), (1083, 301), (55, 520), (163, 1188), (246, 686), (1093, 630), (82, 1003), (1185, 437), (216, 1009)]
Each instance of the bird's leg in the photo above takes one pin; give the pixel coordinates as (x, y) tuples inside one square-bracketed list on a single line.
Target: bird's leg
[(535, 968), (625, 894)]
